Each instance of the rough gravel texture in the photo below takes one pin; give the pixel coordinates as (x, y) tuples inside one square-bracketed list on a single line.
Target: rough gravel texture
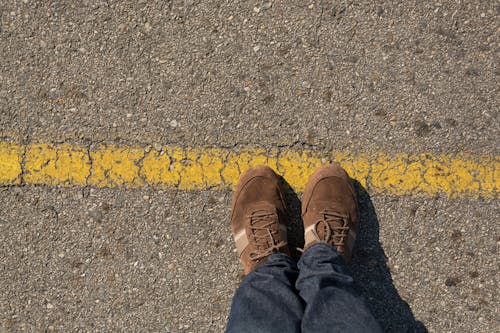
[(140, 260), (365, 76)]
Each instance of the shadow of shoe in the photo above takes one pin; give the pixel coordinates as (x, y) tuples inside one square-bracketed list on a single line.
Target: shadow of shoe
[(296, 226), (372, 275), (368, 266)]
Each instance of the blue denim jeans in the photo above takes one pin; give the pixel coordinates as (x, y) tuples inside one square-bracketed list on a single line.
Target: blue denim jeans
[(315, 295)]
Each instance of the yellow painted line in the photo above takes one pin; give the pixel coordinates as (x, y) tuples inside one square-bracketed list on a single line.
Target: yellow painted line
[(460, 175), (11, 156)]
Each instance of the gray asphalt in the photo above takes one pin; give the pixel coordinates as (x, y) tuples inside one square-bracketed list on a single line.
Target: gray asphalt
[(364, 76)]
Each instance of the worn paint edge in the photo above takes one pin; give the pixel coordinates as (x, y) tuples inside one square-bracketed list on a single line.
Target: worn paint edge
[(191, 168)]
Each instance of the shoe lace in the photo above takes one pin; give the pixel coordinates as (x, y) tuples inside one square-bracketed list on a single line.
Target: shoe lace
[(334, 227), (264, 239)]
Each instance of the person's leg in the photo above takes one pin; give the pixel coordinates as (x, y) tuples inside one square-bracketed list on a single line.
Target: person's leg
[(266, 300), (332, 304), (331, 222)]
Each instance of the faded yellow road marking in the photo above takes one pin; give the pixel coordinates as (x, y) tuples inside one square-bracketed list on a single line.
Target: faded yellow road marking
[(10, 163), (425, 174)]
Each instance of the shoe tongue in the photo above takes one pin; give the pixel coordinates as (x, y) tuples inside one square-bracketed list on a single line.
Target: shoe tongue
[(266, 209), (331, 216), (322, 229)]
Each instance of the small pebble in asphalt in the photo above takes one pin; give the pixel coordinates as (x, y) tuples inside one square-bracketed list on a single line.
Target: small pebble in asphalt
[(451, 281)]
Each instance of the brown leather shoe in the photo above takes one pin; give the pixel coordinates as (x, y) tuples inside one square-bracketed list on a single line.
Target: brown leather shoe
[(330, 210), (258, 218)]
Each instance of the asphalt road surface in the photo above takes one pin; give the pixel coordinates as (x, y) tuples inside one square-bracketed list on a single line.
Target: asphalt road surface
[(367, 77)]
